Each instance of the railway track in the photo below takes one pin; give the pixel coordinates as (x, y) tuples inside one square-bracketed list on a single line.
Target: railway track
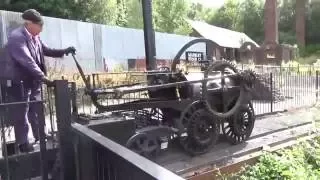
[(270, 134)]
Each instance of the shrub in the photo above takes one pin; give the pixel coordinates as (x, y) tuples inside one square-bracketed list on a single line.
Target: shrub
[(310, 50), (299, 162)]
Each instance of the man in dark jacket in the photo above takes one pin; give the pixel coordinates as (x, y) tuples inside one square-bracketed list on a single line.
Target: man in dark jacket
[(27, 52)]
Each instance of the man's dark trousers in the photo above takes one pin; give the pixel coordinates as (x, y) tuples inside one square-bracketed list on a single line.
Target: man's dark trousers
[(21, 114), (34, 109)]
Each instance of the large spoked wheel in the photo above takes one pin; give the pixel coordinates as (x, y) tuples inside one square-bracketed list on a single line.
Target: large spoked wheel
[(224, 68), (238, 128), (202, 133), (145, 145)]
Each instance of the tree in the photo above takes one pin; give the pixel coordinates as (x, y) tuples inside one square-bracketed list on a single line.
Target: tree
[(252, 19), (198, 12), (313, 23), (228, 16), (169, 16), (135, 18), (97, 11), (287, 22), (122, 13)]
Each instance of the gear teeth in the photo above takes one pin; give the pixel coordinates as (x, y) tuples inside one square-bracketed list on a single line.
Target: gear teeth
[(234, 132), (191, 144)]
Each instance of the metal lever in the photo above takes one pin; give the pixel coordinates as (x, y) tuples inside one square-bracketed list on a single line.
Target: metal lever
[(87, 84)]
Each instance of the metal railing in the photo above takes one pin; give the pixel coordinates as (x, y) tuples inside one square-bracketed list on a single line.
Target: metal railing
[(15, 163), (277, 90), (93, 155), (99, 158)]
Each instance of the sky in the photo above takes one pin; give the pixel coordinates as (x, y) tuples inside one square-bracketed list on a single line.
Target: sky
[(210, 3)]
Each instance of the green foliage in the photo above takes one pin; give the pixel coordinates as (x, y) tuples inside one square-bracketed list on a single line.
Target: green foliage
[(228, 16), (169, 16), (313, 23), (313, 49), (252, 14), (122, 13), (135, 18), (287, 22), (83, 10), (198, 12), (299, 162)]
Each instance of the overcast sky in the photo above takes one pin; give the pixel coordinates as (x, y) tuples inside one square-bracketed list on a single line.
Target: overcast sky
[(210, 3)]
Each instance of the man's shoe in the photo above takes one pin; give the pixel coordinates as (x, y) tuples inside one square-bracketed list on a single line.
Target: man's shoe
[(26, 147), (47, 136)]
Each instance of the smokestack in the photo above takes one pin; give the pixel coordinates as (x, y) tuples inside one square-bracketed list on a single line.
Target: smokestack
[(149, 35), (271, 22), (300, 22)]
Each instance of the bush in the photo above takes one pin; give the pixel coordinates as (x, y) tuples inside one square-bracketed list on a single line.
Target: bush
[(299, 162), (310, 50)]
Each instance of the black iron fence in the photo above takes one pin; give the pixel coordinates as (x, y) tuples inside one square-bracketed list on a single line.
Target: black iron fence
[(80, 152), (279, 89), (93, 155), (23, 156), (97, 157), (286, 87)]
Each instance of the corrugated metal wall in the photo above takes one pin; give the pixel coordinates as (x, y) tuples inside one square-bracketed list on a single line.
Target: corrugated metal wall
[(95, 42)]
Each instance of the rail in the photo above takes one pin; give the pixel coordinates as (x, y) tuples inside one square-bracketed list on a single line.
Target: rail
[(100, 158), (14, 164), (95, 156), (278, 91)]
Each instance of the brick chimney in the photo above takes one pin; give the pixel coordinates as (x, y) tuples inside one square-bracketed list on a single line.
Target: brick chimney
[(300, 22), (271, 22)]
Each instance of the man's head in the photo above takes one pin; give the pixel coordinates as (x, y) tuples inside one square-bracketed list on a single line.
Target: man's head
[(33, 21)]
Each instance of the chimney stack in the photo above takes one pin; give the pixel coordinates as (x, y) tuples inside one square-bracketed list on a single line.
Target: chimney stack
[(300, 22), (271, 22)]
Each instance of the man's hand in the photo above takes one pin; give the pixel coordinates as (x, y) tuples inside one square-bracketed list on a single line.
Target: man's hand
[(47, 81), (69, 50)]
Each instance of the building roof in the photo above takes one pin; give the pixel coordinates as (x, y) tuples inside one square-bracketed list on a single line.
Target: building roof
[(223, 37)]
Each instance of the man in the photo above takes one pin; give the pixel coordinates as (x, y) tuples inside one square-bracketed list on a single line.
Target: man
[(27, 52)]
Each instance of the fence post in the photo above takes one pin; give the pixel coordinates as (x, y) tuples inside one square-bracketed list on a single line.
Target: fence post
[(43, 147), (94, 80), (63, 110), (271, 91), (317, 85), (6, 173), (73, 94)]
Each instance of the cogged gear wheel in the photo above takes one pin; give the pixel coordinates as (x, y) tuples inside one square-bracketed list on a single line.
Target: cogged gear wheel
[(238, 128), (228, 69), (249, 77), (202, 132), (144, 144)]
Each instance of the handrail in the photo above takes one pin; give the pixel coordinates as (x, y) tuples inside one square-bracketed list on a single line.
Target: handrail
[(149, 167)]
